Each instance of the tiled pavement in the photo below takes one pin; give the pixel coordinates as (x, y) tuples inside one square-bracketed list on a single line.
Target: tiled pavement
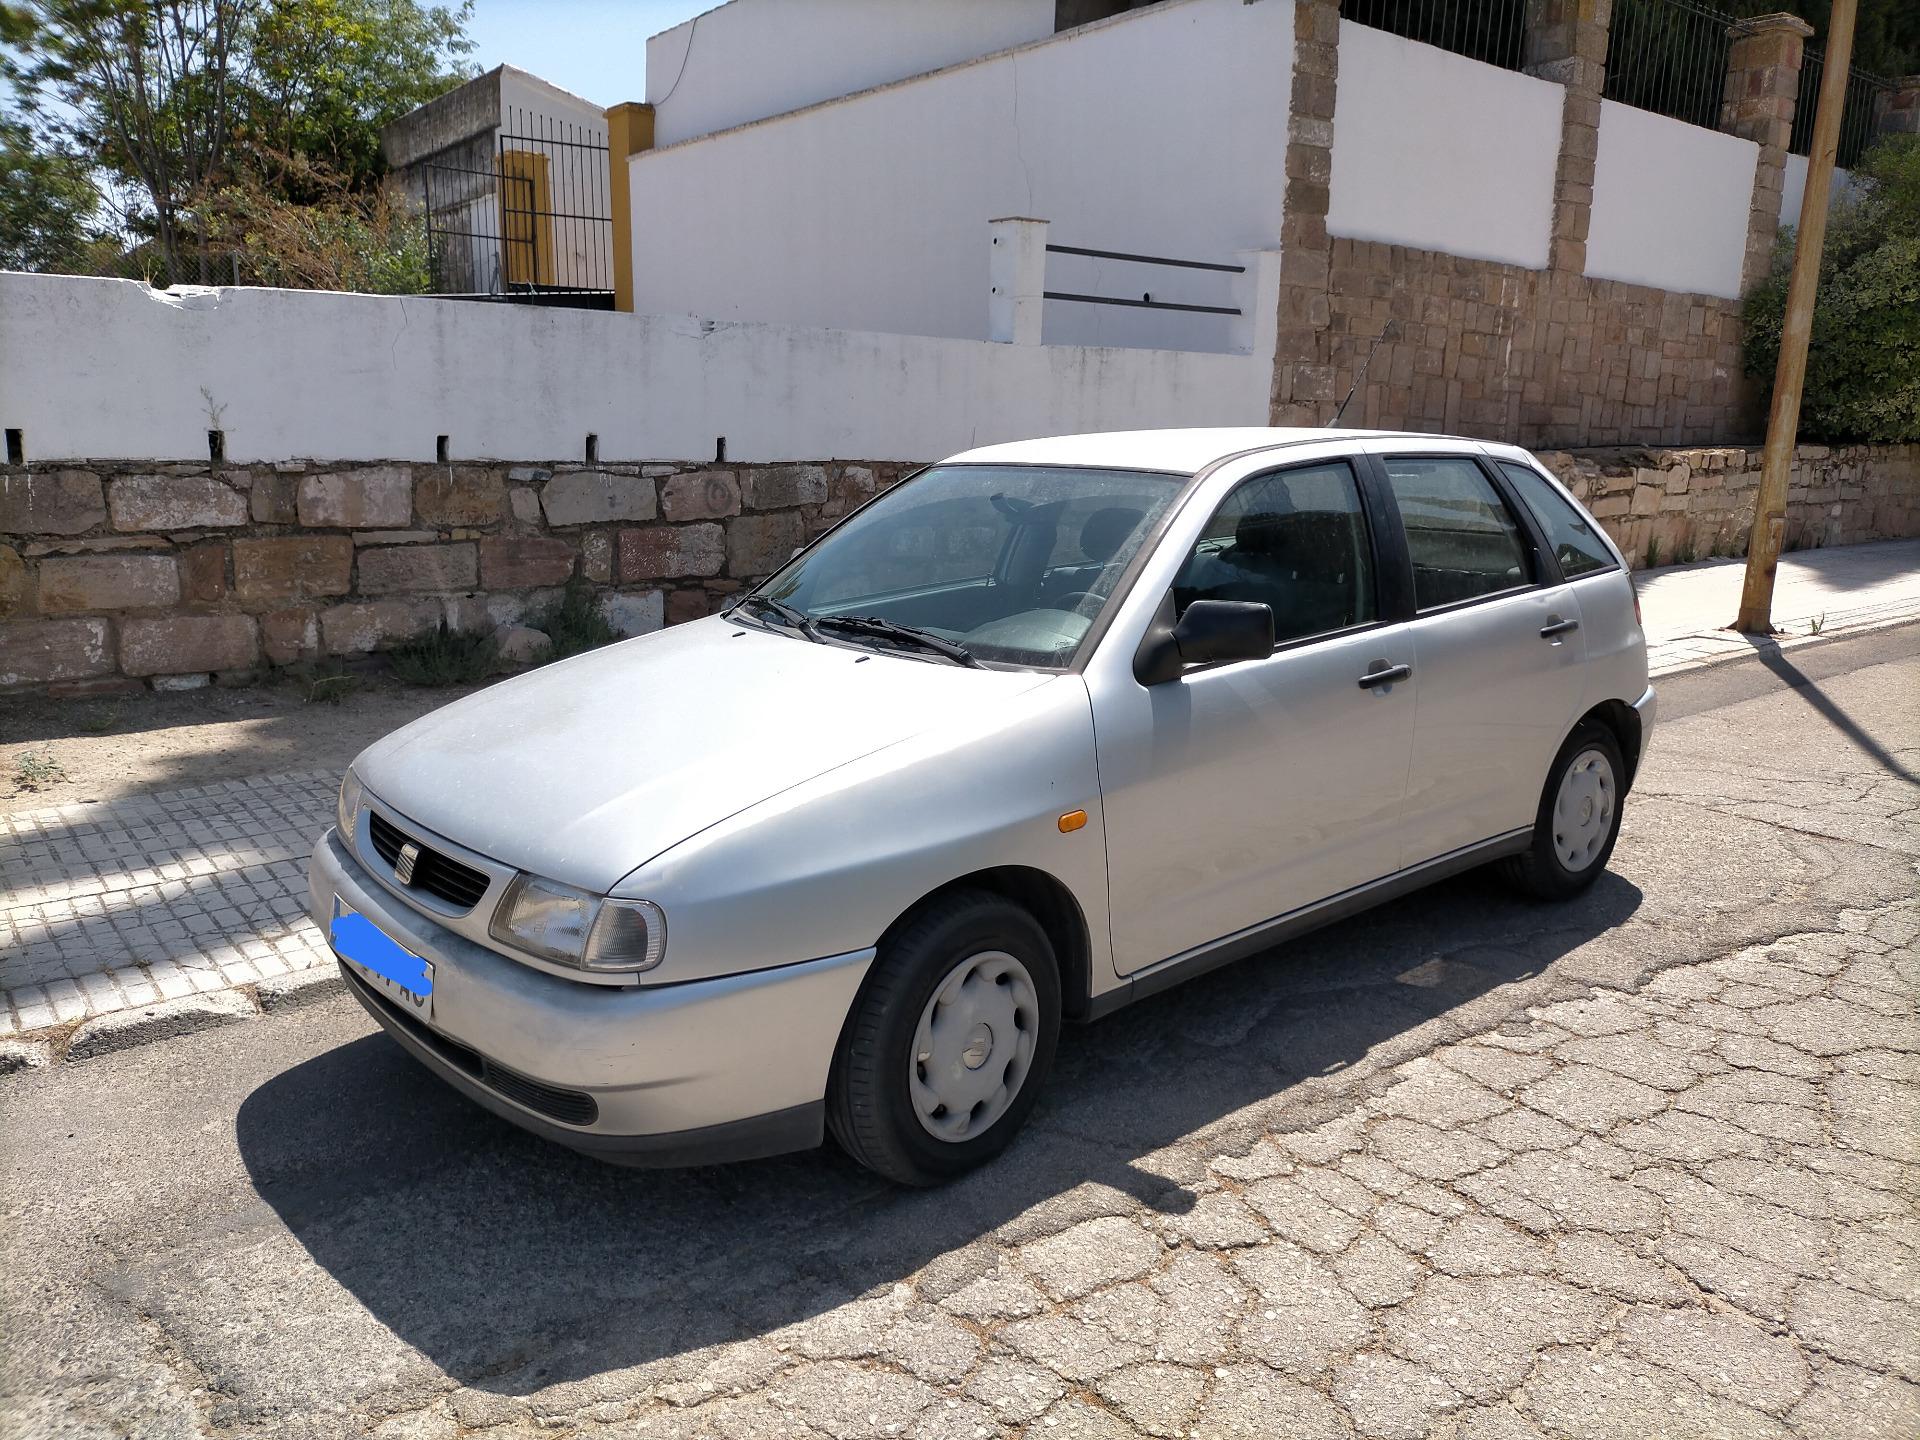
[(120, 903)]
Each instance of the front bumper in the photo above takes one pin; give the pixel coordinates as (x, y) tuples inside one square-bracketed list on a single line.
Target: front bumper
[(725, 1069)]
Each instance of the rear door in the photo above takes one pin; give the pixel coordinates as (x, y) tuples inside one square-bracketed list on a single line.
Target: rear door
[(1497, 649)]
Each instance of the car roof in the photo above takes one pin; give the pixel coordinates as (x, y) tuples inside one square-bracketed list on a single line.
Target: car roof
[(1179, 451)]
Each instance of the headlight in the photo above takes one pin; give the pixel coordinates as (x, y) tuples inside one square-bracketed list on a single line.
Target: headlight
[(346, 811), (572, 927)]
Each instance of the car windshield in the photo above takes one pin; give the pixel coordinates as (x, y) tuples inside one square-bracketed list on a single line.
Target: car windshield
[(1007, 564)]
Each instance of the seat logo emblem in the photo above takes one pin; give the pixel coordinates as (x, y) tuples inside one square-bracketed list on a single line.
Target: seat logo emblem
[(404, 863)]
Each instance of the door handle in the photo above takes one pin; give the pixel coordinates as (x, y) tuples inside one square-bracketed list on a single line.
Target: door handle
[(1556, 626), (1385, 676)]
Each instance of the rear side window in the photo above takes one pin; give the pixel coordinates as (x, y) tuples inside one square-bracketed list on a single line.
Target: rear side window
[(1578, 549), (1295, 541), (1463, 540)]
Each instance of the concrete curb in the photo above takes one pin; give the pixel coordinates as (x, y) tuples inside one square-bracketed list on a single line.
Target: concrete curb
[(300, 989), (1776, 645), (126, 1029), (188, 1015)]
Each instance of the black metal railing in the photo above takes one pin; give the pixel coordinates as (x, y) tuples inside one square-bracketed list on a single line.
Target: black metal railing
[(526, 217), (1491, 30), (1859, 117), (1670, 57), (1146, 300)]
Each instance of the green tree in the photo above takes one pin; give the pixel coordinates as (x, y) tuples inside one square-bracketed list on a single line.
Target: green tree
[(48, 206), (145, 88), (1863, 361), (179, 101), (328, 74)]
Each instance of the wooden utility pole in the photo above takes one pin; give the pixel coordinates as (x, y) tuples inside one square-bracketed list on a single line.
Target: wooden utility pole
[(1790, 374)]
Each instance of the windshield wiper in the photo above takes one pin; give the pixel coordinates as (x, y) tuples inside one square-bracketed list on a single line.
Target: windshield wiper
[(786, 614), (891, 630)]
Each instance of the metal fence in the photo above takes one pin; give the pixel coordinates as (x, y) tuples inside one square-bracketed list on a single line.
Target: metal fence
[(1491, 30), (1670, 57), (1859, 117), (525, 216)]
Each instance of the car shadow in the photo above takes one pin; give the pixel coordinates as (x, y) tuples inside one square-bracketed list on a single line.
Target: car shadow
[(514, 1264)]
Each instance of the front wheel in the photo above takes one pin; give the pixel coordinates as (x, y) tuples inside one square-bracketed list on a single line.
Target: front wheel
[(944, 1054), (1578, 820)]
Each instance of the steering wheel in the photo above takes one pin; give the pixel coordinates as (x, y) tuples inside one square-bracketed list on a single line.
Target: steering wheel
[(1074, 599)]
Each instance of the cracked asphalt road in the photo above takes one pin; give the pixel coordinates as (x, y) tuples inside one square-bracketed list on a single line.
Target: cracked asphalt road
[(1646, 1164)]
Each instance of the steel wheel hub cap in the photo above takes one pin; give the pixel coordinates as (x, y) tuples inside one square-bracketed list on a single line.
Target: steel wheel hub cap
[(974, 1046), (1583, 810)]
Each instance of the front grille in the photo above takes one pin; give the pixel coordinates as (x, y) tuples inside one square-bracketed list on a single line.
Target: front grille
[(570, 1107), (437, 875)]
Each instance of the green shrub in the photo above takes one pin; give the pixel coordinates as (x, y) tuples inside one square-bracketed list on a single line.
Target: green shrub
[(1863, 362), (577, 623), (444, 657)]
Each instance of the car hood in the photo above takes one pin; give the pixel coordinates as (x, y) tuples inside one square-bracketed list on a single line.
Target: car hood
[(584, 770)]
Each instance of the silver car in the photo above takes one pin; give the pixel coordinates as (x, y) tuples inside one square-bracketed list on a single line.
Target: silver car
[(1039, 732)]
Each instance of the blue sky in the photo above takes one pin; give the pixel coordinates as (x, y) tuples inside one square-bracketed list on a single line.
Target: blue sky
[(595, 48)]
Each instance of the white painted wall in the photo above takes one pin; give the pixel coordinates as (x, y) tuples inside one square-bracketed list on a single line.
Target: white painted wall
[(112, 370), (753, 58), (1671, 203), (1794, 187), (523, 90), (1160, 132), (1436, 151)]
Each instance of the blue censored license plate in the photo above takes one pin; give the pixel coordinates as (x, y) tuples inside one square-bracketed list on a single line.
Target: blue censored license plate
[(388, 966)]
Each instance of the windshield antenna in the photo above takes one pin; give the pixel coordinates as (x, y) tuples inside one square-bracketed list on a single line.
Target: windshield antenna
[(1361, 374)]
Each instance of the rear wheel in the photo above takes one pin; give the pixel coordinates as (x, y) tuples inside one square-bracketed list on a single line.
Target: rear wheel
[(944, 1054), (1578, 820)]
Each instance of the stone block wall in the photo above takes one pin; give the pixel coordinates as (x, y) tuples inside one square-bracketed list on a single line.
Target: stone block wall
[(1680, 505), (116, 576), (1535, 357), (1547, 357)]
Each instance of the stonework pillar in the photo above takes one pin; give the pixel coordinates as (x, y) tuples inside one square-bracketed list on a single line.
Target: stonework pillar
[(1567, 43), (1303, 372), (1763, 82), (1900, 109)]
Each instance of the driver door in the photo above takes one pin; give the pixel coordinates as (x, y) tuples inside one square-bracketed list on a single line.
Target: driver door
[(1241, 792)]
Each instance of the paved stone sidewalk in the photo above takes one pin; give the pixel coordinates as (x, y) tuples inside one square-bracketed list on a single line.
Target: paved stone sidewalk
[(1688, 1211), (1848, 588), (117, 904)]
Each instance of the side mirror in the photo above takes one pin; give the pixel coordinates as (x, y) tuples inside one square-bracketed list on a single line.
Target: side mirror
[(1210, 632)]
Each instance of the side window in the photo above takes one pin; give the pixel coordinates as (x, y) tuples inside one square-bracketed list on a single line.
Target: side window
[(1578, 549), (1295, 541), (1463, 540)]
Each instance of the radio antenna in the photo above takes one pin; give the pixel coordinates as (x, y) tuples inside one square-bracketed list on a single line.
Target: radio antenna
[(1360, 375)]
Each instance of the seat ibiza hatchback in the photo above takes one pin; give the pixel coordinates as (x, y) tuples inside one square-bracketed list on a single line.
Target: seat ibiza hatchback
[(1045, 729)]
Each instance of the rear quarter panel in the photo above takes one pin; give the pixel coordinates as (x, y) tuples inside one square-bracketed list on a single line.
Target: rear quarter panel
[(1616, 648)]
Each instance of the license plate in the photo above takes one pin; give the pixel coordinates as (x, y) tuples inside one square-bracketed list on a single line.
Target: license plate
[(384, 963)]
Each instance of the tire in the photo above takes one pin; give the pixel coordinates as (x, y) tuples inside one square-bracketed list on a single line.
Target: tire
[(990, 960), (1569, 850)]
